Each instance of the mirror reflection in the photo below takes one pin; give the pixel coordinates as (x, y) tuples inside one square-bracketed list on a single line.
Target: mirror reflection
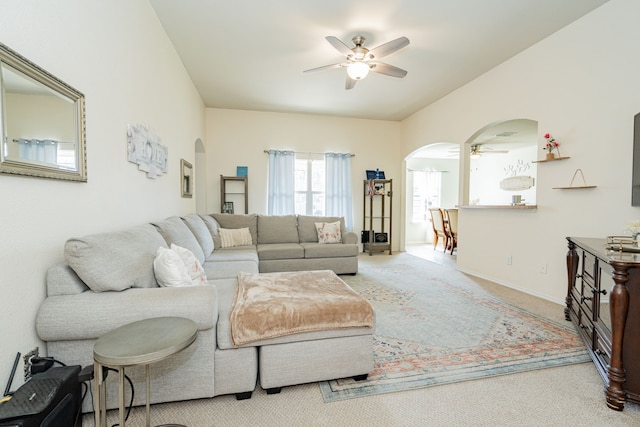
[(42, 122)]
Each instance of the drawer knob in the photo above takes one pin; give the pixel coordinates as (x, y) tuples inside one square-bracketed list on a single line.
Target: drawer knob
[(583, 299)]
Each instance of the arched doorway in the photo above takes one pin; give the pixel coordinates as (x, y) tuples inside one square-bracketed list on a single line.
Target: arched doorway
[(432, 180)]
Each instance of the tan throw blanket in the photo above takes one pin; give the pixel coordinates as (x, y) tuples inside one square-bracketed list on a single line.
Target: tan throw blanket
[(270, 305)]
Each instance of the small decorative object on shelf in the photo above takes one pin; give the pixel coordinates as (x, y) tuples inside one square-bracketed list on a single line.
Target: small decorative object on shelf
[(634, 228), (622, 243), (551, 145)]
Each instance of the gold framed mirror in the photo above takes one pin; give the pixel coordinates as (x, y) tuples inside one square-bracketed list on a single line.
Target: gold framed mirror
[(186, 174), (42, 122)]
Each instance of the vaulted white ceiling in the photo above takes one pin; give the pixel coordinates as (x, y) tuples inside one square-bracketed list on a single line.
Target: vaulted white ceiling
[(251, 54)]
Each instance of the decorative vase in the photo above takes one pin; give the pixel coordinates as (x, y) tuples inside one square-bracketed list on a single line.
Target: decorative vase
[(551, 156)]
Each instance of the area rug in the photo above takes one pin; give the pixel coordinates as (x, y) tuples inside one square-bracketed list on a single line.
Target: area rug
[(435, 325)]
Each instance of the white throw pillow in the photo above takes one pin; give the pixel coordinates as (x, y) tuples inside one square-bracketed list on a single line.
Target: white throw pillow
[(193, 266), (231, 237), (169, 269), (329, 232)]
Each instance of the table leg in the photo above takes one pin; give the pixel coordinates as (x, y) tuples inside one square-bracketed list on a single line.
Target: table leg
[(148, 396), (98, 402), (121, 395)]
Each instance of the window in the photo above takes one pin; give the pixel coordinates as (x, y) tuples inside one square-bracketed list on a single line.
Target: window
[(427, 187), (310, 184)]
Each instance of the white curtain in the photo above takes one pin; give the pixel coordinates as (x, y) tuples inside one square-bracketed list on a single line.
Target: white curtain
[(40, 150), (338, 187), (281, 197)]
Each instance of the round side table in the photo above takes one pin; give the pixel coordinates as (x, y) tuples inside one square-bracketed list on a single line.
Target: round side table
[(138, 343)]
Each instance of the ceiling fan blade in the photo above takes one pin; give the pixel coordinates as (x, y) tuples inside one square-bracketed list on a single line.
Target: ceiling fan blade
[(339, 45), (350, 83), (388, 70), (389, 47), (324, 67)]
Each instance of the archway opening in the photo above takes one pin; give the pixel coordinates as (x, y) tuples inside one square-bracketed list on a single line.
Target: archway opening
[(432, 181), (502, 169)]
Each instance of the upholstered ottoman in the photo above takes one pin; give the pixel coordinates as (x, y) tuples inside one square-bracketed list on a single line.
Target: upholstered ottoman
[(308, 326)]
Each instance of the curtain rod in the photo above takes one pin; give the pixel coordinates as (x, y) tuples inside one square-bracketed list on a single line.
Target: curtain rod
[(305, 152), (17, 141)]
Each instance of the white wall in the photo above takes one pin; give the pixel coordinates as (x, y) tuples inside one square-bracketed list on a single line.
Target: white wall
[(240, 138), (581, 85), (118, 55)]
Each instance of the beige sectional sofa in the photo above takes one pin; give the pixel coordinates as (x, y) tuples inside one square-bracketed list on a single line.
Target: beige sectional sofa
[(108, 280)]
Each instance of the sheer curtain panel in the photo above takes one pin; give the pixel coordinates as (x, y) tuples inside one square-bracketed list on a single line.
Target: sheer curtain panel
[(338, 187), (281, 197)]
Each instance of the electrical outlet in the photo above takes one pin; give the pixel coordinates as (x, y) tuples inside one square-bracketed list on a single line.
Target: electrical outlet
[(509, 259), (27, 361), (543, 269)]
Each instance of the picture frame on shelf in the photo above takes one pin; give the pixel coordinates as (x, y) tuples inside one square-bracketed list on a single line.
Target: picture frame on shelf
[(227, 208)]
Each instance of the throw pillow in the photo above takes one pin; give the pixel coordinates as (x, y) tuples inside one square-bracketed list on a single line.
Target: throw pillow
[(231, 237), (169, 269), (329, 232), (193, 266)]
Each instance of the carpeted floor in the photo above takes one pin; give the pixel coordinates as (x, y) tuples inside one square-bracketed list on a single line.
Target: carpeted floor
[(437, 326), (566, 395)]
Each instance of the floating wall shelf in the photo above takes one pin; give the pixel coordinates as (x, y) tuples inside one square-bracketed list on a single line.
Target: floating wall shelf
[(550, 160), (576, 187)]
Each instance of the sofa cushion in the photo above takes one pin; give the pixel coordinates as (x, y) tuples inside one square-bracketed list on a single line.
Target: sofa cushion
[(214, 229), (239, 221), (201, 233), (307, 227), (194, 268), (175, 231), (232, 237), (319, 250), (280, 251), (62, 280), (170, 270), (227, 263), (329, 232), (277, 229), (115, 261)]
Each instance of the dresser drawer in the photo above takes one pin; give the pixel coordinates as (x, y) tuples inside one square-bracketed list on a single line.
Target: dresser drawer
[(585, 327), (588, 267)]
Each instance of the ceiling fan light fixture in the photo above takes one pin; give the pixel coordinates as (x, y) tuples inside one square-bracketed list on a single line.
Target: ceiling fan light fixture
[(358, 70)]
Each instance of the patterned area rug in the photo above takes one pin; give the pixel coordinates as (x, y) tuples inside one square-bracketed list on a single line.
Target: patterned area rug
[(434, 325)]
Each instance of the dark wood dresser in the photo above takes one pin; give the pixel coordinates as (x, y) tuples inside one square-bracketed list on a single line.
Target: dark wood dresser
[(603, 301)]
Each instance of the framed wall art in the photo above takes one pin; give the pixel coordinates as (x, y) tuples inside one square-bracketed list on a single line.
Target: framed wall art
[(186, 178)]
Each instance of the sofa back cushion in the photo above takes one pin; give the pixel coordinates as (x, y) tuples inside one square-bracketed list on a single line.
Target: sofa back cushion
[(249, 221), (62, 280), (214, 229), (277, 229), (115, 261), (307, 230), (175, 231), (201, 233)]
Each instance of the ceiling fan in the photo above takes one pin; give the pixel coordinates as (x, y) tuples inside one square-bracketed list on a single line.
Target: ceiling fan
[(477, 151), (360, 60)]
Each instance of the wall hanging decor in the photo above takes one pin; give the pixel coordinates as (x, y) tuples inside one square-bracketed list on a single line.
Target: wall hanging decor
[(186, 174), (145, 150)]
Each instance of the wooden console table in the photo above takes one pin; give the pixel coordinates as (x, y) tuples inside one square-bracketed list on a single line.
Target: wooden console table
[(603, 301)]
